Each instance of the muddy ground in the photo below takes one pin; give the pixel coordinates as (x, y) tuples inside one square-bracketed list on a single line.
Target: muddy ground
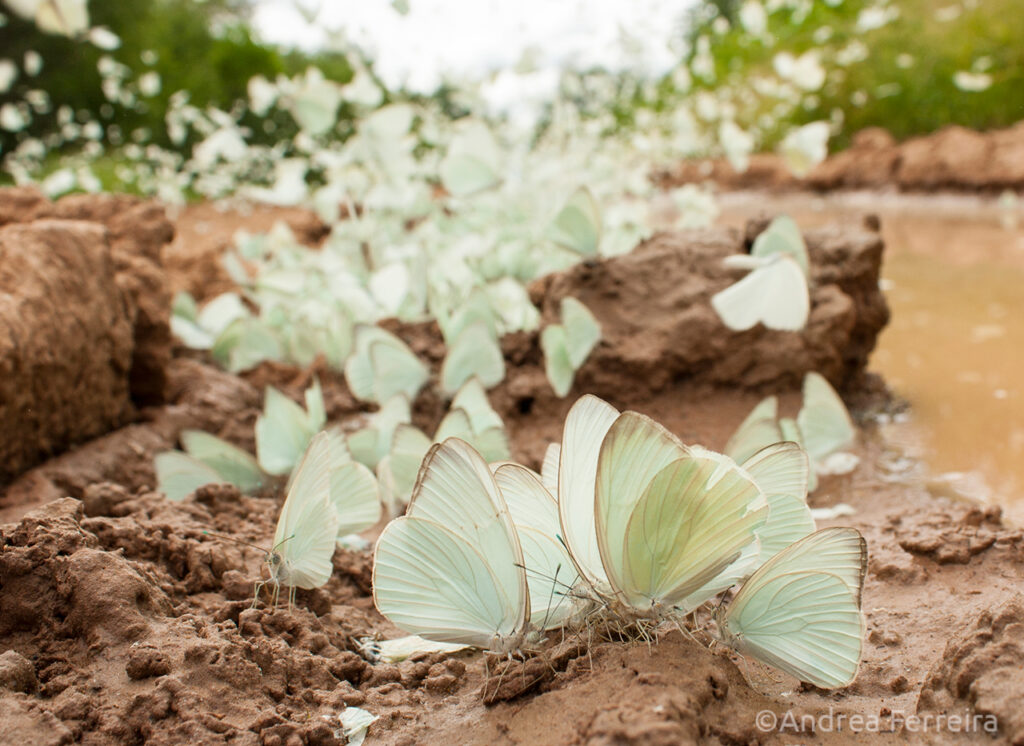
[(123, 622)]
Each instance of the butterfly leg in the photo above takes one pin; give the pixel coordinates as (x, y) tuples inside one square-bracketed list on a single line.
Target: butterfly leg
[(256, 593), (291, 597)]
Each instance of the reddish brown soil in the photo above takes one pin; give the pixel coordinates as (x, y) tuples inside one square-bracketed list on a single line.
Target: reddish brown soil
[(124, 623), (953, 158)]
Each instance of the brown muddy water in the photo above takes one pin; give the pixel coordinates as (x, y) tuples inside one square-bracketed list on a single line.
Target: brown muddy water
[(954, 277)]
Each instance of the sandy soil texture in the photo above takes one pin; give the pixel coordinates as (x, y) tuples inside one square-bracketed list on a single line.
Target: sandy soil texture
[(124, 623)]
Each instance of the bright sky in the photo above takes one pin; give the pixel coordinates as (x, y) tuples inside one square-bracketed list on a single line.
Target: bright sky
[(471, 38)]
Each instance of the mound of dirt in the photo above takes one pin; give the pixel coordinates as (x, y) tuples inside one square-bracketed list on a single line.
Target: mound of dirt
[(953, 158), (86, 311)]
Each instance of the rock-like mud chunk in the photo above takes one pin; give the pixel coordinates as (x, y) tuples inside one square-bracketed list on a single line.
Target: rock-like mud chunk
[(982, 672)]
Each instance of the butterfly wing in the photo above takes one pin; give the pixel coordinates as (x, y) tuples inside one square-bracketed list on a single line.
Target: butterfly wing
[(308, 524), (356, 497), (557, 363), (232, 463), (774, 294), (781, 471), (396, 370), (693, 520), (634, 452), (586, 425), (805, 623), (549, 569), (824, 421), (178, 475), (577, 226), (456, 489), (759, 429), (582, 331), (549, 468), (475, 352), (800, 611), (433, 582), (282, 433)]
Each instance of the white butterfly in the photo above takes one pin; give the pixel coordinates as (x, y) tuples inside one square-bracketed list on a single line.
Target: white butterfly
[(473, 161), (800, 612), (774, 294), (567, 345), (207, 460), (475, 352), (307, 528), (577, 226), (782, 236), (452, 569), (382, 366), (823, 427), (284, 429)]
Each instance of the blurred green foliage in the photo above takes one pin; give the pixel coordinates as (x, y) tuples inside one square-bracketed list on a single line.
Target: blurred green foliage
[(204, 47), (905, 82)]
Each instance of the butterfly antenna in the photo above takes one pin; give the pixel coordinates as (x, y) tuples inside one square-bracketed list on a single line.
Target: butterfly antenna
[(233, 540)]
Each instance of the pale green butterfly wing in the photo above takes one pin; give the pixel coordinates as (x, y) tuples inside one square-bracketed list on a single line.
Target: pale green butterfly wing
[(782, 471), (549, 468), (220, 312), (551, 576), (370, 444), (774, 294), (463, 175), (557, 364), (492, 444), (476, 309), (409, 447), (472, 398), (802, 622), (282, 433), (245, 344), (356, 497), (791, 432), (308, 525), (550, 573), (582, 331), (800, 612), (782, 236), (585, 427), (824, 421), (396, 370), (758, 430), (430, 581), (529, 503), (452, 570), (474, 353), (178, 475), (316, 411), (455, 424), (400, 366), (577, 226), (634, 451), (693, 520), (232, 463)]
